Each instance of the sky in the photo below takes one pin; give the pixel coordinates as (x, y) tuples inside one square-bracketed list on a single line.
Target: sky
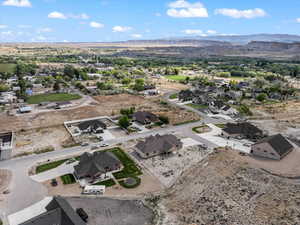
[(119, 20)]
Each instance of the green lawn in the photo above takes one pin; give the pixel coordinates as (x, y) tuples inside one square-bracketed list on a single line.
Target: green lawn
[(196, 129), (49, 166), (106, 183), (68, 179), (7, 68), (123, 184), (174, 96), (222, 126), (59, 97), (176, 77), (130, 168), (196, 106)]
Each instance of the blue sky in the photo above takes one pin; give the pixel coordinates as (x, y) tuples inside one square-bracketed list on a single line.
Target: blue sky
[(117, 20)]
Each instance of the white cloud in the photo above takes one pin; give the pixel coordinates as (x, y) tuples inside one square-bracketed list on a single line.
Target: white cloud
[(237, 14), (157, 14), (96, 25), (121, 29), (298, 20), (45, 30), (2, 26), (136, 35), (57, 15), (7, 33), (17, 3), (82, 16), (211, 32), (192, 31), (185, 9)]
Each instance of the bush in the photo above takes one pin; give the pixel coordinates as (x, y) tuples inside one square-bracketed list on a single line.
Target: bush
[(106, 183), (164, 119)]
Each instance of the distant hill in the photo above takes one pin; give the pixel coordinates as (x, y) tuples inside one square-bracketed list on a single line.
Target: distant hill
[(244, 39)]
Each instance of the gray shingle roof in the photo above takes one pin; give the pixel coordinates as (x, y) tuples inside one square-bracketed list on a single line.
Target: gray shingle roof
[(279, 143), (92, 164), (93, 124), (158, 144), (145, 117)]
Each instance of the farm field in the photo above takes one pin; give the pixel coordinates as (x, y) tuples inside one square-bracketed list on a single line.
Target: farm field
[(54, 97)]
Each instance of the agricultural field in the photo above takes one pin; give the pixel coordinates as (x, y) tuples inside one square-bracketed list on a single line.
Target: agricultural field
[(7, 68), (53, 97)]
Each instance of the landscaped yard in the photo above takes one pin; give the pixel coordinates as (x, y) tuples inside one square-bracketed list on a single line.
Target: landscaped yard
[(53, 97), (176, 77), (49, 166), (137, 182), (130, 167), (106, 183), (220, 125), (174, 96), (196, 106), (68, 179), (201, 129)]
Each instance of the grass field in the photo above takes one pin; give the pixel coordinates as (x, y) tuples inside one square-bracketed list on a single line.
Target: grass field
[(106, 183), (59, 97), (49, 166), (7, 68), (176, 77), (68, 179), (174, 96), (130, 168)]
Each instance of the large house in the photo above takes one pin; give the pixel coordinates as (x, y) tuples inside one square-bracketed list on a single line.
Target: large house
[(94, 165), (145, 117), (58, 212), (6, 145), (92, 126), (242, 130), (273, 147), (156, 145)]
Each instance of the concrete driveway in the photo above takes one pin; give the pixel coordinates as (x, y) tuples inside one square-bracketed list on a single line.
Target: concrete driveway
[(54, 173), (213, 136)]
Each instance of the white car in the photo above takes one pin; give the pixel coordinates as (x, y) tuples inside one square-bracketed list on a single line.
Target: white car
[(104, 145)]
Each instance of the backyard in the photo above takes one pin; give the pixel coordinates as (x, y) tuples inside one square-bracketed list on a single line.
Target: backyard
[(53, 97)]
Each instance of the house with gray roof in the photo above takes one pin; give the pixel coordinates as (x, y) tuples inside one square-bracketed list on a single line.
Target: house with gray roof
[(157, 145), (145, 117), (242, 130), (58, 212), (94, 165), (92, 126), (272, 147)]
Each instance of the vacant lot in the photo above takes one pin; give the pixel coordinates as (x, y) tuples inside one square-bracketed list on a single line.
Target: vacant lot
[(54, 97), (40, 138), (107, 211), (226, 189)]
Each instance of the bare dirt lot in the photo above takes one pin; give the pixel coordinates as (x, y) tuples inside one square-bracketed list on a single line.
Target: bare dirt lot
[(107, 211), (41, 138), (226, 189)]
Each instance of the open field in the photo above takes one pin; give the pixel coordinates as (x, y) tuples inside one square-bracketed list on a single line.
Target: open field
[(7, 68), (54, 97), (176, 77), (228, 189)]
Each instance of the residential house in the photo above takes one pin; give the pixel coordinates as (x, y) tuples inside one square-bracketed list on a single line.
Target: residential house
[(157, 145), (92, 126), (145, 117), (273, 147), (242, 130), (186, 95), (6, 145), (94, 165), (58, 212)]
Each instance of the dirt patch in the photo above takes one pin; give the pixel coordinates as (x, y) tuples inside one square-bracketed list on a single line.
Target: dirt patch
[(225, 189), (41, 138), (5, 177)]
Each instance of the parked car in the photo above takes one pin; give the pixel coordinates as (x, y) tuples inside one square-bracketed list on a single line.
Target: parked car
[(104, 145), (84, 144), (54, 182), (83, 215)]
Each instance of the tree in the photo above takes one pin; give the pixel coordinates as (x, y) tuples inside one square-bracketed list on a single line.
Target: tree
[(56, 86), (139, 84), (262, 97), (124, 122), (164, 119)]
